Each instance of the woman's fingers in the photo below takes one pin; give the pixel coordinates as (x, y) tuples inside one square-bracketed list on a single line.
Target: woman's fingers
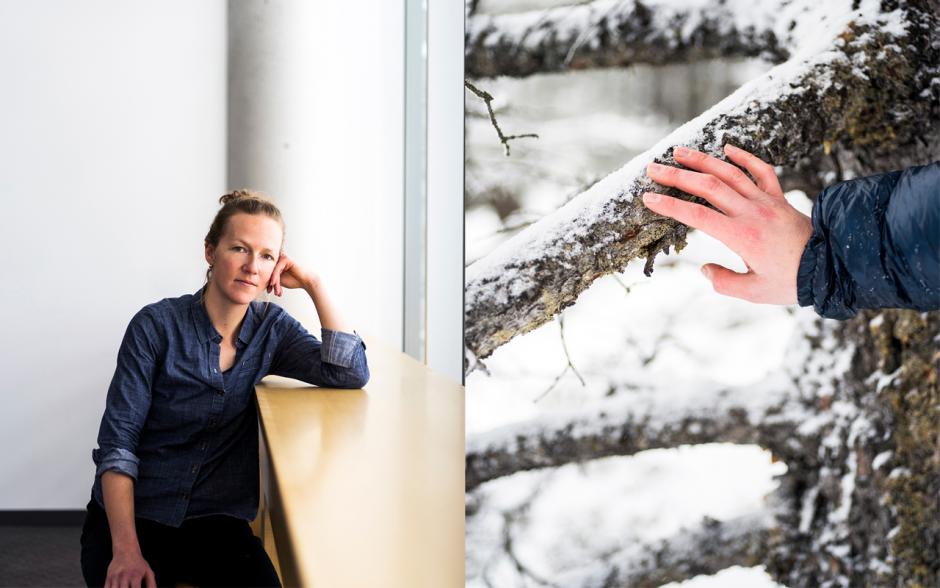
[(706, 186), (283, 263), (730, 174), (762, 171), (697, 216)]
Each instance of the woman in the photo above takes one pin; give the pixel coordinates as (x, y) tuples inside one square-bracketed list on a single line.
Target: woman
[(177, 464)]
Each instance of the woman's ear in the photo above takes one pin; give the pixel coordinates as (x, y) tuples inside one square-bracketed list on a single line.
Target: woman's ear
[(210, 254)]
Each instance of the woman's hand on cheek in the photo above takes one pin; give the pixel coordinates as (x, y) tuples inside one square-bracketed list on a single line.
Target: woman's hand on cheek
[(287, 274)]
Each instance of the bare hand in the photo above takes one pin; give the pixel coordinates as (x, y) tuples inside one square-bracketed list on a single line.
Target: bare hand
[(758, 223), (287, 274), (130, 571)]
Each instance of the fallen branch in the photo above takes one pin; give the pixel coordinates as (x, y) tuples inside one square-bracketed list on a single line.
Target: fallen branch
[(638, 422), (614, 33)]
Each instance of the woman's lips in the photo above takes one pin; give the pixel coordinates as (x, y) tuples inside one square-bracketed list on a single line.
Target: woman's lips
[(244, 283)]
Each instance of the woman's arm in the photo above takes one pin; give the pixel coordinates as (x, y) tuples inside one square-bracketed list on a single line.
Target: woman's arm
[(128, 566), (329, 315), (340, 361)]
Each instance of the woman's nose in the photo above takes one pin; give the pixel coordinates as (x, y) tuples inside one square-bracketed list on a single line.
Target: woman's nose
[(251, 265)]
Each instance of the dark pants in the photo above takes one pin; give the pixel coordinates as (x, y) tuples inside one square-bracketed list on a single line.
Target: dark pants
[(215, 550)]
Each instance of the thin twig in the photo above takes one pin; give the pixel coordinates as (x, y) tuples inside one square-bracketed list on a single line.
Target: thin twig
[(570, 366), (488, 98)]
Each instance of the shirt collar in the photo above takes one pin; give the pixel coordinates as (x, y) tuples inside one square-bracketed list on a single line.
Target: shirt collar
[(206, 331)]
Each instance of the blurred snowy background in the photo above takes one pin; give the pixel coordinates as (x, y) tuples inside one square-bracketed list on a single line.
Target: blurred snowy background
[(627, 335)]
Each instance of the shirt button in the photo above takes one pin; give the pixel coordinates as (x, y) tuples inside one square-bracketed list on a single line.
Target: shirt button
[(215, 370), (203, 446), (194, 468)]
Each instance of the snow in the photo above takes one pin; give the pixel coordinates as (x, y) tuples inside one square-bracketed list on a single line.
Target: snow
[(881, 459)]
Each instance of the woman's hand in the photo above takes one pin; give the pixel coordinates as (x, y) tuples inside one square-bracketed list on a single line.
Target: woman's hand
[(758, 223), (287, 274), (129, 570)]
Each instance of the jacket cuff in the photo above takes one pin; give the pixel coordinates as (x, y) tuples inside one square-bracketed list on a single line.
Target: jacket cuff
[(806, 273), (118, 459), (338, 348)]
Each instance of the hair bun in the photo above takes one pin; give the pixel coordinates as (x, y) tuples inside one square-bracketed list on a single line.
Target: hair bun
[(232, 196)]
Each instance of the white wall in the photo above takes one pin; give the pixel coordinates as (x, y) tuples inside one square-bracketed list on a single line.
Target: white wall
[(112, 149)]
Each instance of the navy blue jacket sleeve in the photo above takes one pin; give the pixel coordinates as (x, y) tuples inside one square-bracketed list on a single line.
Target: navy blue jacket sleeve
[(875, 244)]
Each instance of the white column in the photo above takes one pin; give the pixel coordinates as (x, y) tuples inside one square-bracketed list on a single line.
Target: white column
[(316, 120)]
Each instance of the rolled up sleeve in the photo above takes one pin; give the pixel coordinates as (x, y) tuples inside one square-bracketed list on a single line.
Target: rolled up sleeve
[(339, 361), (128, 401)]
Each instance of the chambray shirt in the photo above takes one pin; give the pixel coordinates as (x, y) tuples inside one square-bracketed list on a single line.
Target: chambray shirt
[(187, 432)]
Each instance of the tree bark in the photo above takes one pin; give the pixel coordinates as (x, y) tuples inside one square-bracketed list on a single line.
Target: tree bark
[(613, 33), (868, 101)]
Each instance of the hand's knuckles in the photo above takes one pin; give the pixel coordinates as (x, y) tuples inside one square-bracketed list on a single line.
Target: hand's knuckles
[(738, 177)]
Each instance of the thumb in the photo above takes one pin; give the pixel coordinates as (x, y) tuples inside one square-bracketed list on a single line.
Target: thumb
[(728, 282)]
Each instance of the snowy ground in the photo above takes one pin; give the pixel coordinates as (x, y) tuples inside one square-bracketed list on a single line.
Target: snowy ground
[(627, 333)]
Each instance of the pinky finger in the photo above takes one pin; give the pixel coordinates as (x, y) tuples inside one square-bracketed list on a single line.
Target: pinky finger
[(730, 283)]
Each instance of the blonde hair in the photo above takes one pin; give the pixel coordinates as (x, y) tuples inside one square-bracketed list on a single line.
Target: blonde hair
[(240, 201)]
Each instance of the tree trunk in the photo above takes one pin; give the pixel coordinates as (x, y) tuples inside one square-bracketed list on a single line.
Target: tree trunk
[(864, 498)]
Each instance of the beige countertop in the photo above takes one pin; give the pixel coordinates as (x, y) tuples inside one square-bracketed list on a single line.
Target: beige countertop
[(366, 487)]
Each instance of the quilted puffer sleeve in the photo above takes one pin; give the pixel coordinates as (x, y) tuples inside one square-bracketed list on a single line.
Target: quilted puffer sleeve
[(875, 244)]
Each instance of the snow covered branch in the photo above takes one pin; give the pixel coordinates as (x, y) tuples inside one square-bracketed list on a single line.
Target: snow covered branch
[(861, 83), (706, 549), (614, 33), (625, 426)]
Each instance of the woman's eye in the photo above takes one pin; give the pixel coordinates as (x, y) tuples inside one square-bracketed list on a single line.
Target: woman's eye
[(269, 256)]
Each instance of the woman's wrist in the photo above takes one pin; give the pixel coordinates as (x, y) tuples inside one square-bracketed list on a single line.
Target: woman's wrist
[(311, 284)]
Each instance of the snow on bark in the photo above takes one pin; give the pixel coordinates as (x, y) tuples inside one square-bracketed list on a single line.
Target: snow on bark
[(861, 87), (614, 33), (655, 419)]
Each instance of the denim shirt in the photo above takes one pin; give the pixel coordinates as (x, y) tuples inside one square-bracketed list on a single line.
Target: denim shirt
[(185, 431)]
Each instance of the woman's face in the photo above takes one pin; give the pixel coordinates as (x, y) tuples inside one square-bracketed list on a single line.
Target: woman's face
[(245, 257)]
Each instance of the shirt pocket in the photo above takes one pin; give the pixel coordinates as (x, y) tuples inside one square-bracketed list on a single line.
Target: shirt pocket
[(252, 366)]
